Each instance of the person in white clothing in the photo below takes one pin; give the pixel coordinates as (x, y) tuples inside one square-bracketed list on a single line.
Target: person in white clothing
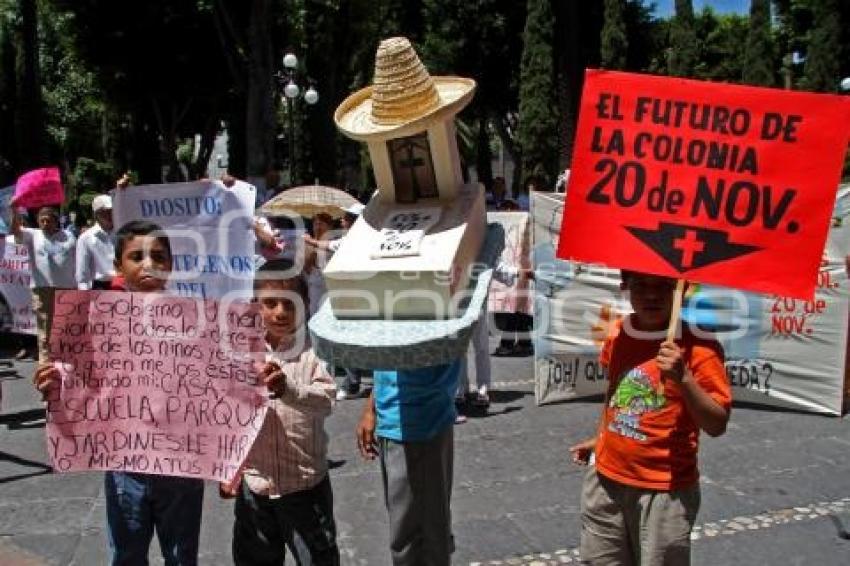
[(52, 254), (96, 248), (480, 397)]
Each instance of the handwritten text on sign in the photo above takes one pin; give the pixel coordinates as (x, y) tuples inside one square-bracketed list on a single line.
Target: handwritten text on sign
[(154, 384), (512, 296), (211, 231), (402, 231), (716, 183), (15, 276)]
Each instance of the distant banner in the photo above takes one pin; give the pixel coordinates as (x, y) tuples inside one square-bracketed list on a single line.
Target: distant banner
[(724, 184), (780, 351), (6, 209), (16, 314), (154, 384), (40, 187), (211, 231), (512, 298)]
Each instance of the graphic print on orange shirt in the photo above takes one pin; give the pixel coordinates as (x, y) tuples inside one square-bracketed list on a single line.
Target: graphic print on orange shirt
[(636, 394)]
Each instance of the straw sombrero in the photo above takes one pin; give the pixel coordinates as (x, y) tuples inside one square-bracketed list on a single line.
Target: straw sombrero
[(404, 98)]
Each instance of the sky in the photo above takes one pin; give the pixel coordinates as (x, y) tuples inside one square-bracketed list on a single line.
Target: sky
[(664, 8)]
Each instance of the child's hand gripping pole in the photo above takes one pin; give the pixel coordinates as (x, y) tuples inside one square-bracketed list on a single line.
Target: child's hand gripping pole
[(675, 315)]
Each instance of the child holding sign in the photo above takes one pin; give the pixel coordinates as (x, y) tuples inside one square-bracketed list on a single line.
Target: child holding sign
[(285, 498), (640, 501), (136, 504)]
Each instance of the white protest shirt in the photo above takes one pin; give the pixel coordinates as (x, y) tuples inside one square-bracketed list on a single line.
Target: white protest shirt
[(52, 258), (95, 257)]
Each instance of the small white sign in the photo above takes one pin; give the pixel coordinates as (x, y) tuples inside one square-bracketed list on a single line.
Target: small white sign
[(402, 231)]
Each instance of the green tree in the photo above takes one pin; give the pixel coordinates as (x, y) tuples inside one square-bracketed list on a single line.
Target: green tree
[(29, 124), (537, 133), (646, 35), (823, 63), (481, 39), (246, 31), (578, 28), (721, 40), (8, 93), (758, 54), (78, 121), (683, 52), (577, 46), (615, 43), (158, 70), (794, 21)]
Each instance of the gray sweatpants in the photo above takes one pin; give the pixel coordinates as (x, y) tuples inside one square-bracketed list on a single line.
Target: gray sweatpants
[(481, 352), (418, 490)]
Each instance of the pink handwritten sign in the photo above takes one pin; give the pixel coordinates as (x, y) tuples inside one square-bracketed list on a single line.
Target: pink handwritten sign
[(40, 187), (517, 254), (153, 383)]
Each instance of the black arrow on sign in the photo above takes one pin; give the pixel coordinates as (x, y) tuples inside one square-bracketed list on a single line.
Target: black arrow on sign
[(690, 247)]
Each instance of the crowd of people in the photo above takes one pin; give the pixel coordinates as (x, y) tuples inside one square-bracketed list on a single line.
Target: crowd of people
[(640, 495)]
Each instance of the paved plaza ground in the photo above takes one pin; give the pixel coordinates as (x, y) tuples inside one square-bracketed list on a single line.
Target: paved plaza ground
[(775, 488)]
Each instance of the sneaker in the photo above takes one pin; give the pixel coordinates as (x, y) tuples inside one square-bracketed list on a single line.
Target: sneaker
[(524, 349), (481, 398), (503, 351), (348, 392), (460, 419)]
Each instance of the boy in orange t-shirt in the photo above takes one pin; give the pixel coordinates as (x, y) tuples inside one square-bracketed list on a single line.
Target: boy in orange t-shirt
[(640, 501)]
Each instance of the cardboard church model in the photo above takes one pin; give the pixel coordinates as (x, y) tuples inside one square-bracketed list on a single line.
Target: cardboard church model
[(401, 289), (424, 226)]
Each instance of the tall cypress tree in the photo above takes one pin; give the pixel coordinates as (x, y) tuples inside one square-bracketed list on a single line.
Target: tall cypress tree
[(823, 64), (758, 54), (683, 41), (615, 43), (537, 120), (30, 124), (8, 100)]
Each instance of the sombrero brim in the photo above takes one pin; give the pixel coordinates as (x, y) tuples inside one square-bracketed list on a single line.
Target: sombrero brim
[(354, 116)]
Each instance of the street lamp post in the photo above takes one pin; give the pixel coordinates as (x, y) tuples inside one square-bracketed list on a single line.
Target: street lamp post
[(288, 80)]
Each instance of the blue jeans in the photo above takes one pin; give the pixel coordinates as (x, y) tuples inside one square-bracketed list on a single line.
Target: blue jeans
[(303, 521), (136, 504)]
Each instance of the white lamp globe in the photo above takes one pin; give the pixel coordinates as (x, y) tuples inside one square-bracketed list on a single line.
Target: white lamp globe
[(845, 84), (291, 90), (311, 96), (290, 61)]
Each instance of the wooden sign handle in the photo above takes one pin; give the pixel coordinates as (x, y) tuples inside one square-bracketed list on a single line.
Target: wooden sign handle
[(676, 311)]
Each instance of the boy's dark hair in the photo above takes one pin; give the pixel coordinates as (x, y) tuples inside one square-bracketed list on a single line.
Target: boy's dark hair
[(626, 274), (139, 228), (288, 275)]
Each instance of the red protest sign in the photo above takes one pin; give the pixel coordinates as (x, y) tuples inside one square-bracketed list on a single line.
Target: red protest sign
[(40, 187), (717, 183)]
